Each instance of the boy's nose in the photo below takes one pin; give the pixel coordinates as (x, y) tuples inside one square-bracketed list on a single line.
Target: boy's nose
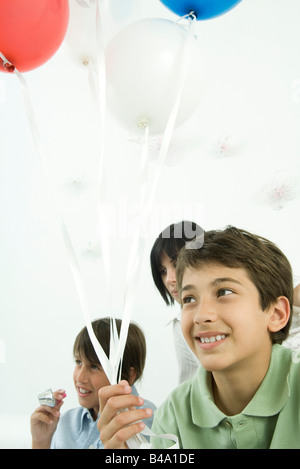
[(82, 376), (205, 312)]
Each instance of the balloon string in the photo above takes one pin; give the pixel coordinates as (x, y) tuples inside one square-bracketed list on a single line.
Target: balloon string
[(103, 219), (167, 136), (134, 258), (97, 81), (135, 254), (75, 269), (147, 199), (97, 84), (109, 366), (148, 194), (9, 67)]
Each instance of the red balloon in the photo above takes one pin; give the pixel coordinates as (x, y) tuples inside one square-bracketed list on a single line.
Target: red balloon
[(31, 31)]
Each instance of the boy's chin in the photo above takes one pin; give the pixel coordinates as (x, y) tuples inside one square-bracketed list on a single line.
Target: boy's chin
[(213, 364)]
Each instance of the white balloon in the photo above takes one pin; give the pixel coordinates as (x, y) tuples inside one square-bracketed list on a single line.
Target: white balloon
[(144, 64), (80, 40)]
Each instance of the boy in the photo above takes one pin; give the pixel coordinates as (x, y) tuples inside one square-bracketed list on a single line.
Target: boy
[(77, 428), (236, 293)]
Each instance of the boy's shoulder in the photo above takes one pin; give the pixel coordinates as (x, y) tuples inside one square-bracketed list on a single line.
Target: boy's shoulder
[(284, 362), (285, 357), (292, 359), (282, 380), (182, 393)]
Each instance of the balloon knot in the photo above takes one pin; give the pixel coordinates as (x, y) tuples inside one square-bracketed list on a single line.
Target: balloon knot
[(9, 67), (193, 15), (143, 124)]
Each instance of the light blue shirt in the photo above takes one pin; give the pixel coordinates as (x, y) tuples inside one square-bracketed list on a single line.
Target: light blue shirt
[(76, 428)]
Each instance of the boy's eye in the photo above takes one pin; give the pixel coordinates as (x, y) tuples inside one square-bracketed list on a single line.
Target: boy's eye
[(188, 299), (77, 361), (96, 366), (224, 292)]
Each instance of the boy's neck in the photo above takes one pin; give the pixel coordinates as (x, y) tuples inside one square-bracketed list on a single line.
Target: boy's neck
[(234, 389)]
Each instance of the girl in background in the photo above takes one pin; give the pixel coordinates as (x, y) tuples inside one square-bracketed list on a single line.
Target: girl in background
[(163, 258)]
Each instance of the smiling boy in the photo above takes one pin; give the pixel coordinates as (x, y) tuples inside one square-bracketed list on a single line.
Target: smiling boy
[(77, 428), (236, 294)]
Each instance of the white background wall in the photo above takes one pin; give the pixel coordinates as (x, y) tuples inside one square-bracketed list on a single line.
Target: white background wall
[(251, 103)]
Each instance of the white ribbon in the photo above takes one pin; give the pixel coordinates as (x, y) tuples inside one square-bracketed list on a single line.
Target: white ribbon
[(146, 202), (97, 82), (108, 366), (148, 193), (147, 199), (98, 90)]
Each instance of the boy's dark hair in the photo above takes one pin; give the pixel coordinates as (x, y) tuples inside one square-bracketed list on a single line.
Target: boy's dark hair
[(170, 241), (266, 265), (134, 352)]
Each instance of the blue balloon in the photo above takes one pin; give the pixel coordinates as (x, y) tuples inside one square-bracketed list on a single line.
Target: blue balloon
[(203, 9)]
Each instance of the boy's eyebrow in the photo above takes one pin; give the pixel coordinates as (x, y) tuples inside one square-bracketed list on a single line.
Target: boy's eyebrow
[(225, 279), (214, 283), (188, 287)]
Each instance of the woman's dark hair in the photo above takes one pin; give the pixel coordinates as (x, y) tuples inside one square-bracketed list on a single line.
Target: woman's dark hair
[(134, 353), (169, 242)]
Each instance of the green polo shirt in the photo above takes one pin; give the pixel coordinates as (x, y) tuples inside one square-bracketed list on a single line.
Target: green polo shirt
[(270, 420)]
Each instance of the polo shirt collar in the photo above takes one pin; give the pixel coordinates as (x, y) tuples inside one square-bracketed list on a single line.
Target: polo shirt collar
[(274, 391), (204, 411), (269, 399), (85, 414)]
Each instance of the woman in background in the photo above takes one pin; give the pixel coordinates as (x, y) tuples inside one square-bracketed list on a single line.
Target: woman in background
[(163, 258)]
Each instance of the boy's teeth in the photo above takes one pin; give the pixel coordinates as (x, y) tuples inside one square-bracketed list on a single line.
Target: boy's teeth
[(207, 340), (83, 391)]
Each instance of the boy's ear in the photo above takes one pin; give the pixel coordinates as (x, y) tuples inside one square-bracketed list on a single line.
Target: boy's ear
[(279, 315), (132, 375)]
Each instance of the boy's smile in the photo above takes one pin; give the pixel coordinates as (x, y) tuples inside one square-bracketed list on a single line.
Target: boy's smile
[(208, 340), (222, 319), (88, 379)]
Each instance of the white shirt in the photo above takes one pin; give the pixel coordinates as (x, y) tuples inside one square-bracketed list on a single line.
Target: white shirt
[(188, 363)]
